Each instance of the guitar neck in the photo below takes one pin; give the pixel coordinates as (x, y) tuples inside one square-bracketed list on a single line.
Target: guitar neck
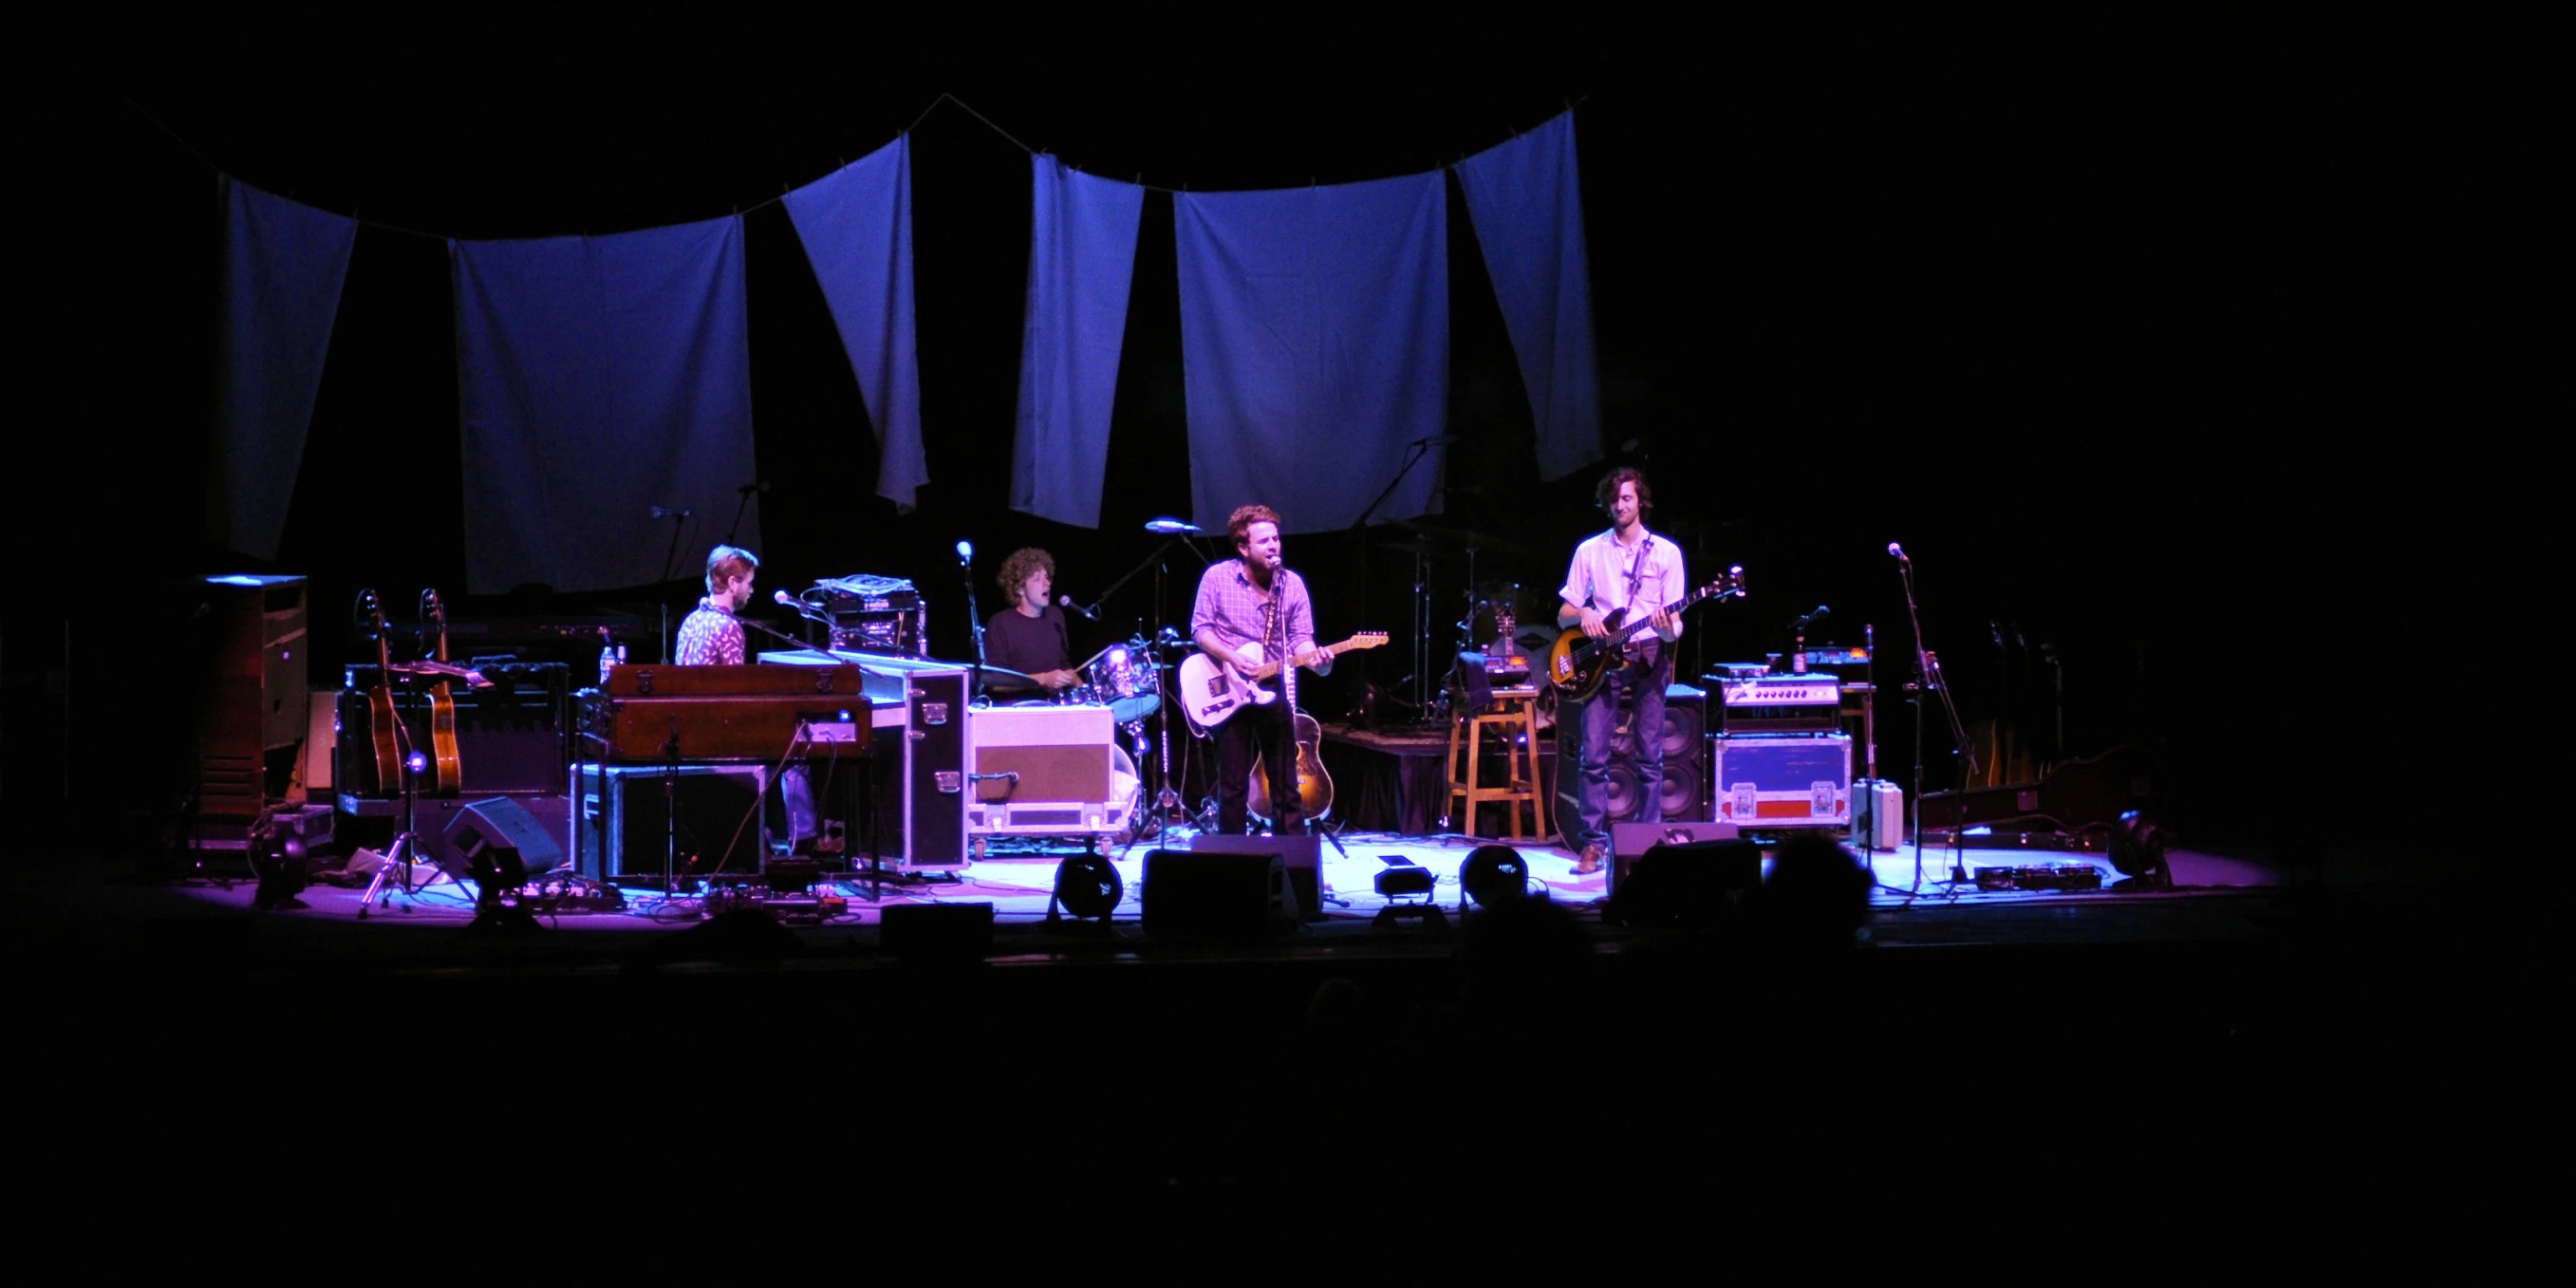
[(1269, 669)]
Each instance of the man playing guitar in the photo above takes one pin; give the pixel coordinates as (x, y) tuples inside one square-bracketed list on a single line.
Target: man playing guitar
[(1625, 569), (1247, 601)]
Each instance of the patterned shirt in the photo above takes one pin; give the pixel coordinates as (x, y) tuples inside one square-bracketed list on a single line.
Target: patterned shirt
[(1229, 604), (709, 637), (1602, 568)]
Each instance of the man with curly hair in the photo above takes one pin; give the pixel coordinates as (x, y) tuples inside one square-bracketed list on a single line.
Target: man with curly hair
[(1030, 636)]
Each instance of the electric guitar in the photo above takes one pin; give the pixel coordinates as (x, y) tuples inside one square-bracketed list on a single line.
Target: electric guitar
[(449, 774), (1211, 691), (380, 702), (1576, 662), (1314, 786)]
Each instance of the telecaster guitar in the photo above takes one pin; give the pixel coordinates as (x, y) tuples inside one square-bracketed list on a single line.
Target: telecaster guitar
[(1210, 692)]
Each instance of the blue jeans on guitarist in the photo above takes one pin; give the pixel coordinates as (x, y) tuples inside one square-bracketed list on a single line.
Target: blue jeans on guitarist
[(1267, 732), (1583, 806)]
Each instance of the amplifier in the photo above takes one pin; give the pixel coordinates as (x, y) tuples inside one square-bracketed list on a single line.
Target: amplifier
[(1779, 703), (1046, 771), (621, 828), (1783, 780)]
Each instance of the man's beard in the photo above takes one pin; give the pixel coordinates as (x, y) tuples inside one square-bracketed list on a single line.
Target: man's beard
[(1260, 570)]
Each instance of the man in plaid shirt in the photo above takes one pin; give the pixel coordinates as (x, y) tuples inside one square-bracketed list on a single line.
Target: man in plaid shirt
[(710, 636), (1250, 601)]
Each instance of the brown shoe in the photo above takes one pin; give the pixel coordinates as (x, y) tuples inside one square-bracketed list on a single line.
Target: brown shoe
[(1588, 862)]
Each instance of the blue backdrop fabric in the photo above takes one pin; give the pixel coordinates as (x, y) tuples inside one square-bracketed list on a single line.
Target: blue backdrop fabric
[(1528, 207), (856, 224), (1314, 347), (600, 377), (284, 264), (1082, 257)]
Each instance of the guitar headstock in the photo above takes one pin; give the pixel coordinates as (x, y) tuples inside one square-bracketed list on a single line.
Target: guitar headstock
[(1728, 585), (1365, 639), (432, 609), (371, 610)]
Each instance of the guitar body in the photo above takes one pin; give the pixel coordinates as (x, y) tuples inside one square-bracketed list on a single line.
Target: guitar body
[(1314, 786), (1577, 678), (1576, 663), (446, 767), (1210, 692)]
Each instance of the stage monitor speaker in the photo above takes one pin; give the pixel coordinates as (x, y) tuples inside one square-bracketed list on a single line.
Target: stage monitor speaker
[(1630, 841), (1216, 896), (713, 803), (1697, 884), (936, 933), (488, 834), (1304, 856)]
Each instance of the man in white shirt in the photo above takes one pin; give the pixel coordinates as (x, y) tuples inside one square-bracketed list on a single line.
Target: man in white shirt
[(1624, 572)]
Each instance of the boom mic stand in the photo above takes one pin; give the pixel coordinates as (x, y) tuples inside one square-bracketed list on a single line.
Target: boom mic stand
[(1927, 678)]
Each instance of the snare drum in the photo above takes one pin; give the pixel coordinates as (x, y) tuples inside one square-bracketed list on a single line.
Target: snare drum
[(1123, 676)]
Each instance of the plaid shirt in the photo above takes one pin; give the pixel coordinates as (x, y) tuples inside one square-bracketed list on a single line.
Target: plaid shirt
[(709, 637), (1229, 605)]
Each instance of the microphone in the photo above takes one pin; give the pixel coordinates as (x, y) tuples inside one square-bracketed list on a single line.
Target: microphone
[(965, 552), (1898, 551), (789, 601), (1811, 618), (666, 512), (1066, 602), (1277, 564)]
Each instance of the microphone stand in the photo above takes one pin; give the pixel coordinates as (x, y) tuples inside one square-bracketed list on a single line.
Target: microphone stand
[(975, 623), (1420, 448), (1927, 678)]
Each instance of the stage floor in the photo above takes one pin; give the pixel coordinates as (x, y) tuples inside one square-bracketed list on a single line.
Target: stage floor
[(1016, 879)]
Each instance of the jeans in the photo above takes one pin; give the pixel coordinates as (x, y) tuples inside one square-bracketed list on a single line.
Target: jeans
[(1584, 810)]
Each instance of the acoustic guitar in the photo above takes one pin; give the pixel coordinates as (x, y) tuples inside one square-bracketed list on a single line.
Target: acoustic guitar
[(1314, 786), (1577, 662), (447, 772), (381, 716)]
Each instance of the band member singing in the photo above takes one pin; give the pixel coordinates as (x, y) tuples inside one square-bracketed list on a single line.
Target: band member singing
[(710, 636), (1030, 637), (1246, 601), (1633, 569)]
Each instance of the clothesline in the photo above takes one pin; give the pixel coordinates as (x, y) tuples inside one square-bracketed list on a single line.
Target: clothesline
[(944, 97)]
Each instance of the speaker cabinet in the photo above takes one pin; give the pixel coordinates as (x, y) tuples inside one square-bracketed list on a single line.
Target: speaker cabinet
[(624, 832), (1304, 856), (1695, 883), (1210, 895), (253, 701), (495, 833), (1683, 737)]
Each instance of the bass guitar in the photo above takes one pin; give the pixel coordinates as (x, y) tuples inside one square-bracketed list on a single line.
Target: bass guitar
[(447, 772), (1576, 662), (381, 716), (1314, 786), (1211, 692)]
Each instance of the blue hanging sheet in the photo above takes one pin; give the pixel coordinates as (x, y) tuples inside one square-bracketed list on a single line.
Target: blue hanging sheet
[(856, 223), (599, 378), (284, 265), (1314, 347), (1082, 258), (1528, 208)]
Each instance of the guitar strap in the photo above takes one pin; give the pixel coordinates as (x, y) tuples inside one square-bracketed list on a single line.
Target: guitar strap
[(1639, 648)]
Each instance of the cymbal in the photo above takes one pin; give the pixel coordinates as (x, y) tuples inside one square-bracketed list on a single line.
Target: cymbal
[(1171, 527), (1463, 537)]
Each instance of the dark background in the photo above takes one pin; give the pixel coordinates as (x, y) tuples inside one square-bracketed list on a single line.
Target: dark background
[(2136, 334)]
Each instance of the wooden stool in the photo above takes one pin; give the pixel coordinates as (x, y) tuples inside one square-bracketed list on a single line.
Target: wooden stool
[(1515, 716)]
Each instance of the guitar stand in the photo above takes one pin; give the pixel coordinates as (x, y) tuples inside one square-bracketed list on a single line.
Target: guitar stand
[(406, 846)]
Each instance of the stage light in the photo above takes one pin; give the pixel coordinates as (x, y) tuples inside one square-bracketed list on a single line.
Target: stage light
[(1087, 886), (1493, 875), (418, 763), (2138, 851), (1402, 878)]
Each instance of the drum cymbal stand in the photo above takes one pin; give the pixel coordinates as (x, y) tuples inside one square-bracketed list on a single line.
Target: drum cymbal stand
[(406, 847)]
